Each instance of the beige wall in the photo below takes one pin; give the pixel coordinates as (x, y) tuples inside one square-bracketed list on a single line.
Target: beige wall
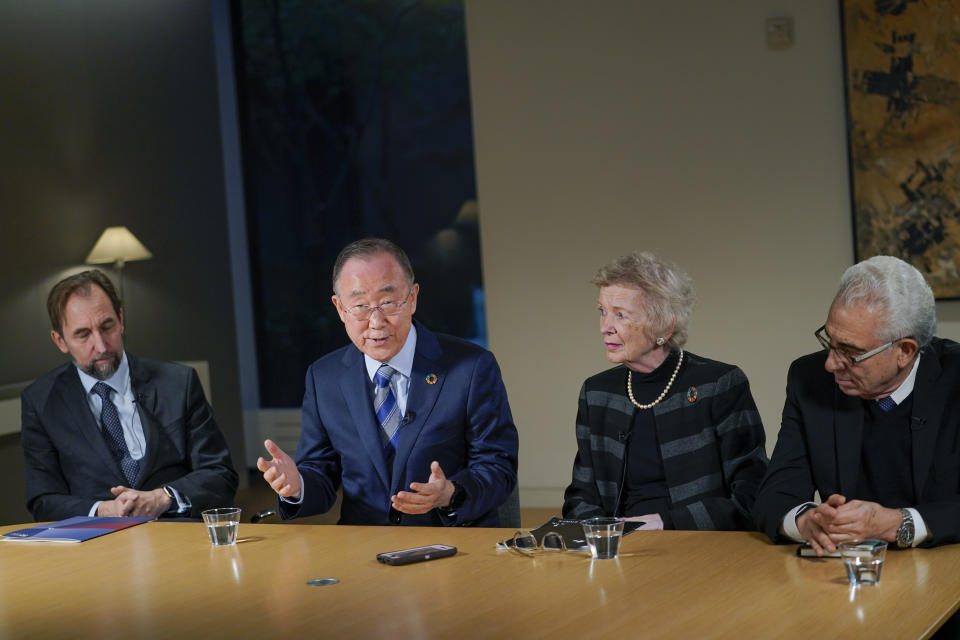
[(604, 127)]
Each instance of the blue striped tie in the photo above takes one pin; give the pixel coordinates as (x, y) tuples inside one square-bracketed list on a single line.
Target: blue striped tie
[(387, 410), (113, 433)]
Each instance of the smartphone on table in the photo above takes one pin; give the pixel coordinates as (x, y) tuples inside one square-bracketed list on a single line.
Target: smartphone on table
[(416, 554)]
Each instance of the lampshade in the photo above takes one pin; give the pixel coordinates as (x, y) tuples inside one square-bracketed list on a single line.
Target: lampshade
[(117, 245)]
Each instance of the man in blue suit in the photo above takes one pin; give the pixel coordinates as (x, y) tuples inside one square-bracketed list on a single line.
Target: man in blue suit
[(401, 408)]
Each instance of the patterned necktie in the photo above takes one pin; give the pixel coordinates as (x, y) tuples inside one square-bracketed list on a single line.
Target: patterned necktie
[(887, 404), (113, 433), (387, 410)]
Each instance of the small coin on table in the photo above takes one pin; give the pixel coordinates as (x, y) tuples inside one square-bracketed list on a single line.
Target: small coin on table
[(321, 582)]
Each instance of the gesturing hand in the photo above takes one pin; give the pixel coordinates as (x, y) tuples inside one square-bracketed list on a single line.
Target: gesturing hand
[(424, 496), (280, 471)]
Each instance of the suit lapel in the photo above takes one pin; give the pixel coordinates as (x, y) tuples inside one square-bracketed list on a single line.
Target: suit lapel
[(421, 398), (74, 410), (928, 407), (848, 431), (145, 398), (355, 387)]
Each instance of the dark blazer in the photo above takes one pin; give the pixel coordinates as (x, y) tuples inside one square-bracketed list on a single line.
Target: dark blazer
[(711, 444), (820, 440), (457, 414), (68, 463)]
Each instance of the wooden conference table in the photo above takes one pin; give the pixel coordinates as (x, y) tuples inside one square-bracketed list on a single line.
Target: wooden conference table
[(164, 579)]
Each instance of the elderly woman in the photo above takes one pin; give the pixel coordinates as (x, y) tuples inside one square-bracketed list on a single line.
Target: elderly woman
[(666, 436)]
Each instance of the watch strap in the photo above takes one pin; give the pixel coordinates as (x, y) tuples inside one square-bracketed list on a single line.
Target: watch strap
[(456, 500), (907, 530), (803, 509), (174, 503)]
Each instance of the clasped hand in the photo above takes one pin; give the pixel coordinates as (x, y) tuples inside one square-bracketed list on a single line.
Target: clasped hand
[(132, 503), (837, 520)]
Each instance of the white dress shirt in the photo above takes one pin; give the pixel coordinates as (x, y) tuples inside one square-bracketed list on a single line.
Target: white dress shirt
[(126, 403)]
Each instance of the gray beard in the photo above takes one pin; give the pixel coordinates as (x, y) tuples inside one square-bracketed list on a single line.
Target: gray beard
[(104, 374)]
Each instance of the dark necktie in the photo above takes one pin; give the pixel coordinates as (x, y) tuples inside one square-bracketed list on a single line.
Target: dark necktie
[(387, 410), (113, 433), (887, 404)]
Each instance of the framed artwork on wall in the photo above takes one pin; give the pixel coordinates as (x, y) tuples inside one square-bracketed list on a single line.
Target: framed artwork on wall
[(902, 81)]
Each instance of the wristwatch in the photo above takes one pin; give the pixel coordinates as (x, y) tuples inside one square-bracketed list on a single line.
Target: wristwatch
[(456, 500), (803, 509), (174, 505), (906, 532)]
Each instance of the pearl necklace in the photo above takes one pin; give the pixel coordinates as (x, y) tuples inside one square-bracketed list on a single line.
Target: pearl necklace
[(662, 395)]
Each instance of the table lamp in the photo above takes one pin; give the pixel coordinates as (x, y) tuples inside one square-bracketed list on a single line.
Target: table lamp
[(117, 246)]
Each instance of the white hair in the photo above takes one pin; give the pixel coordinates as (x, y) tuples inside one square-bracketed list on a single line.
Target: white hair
[(898, 291), (668, 295)]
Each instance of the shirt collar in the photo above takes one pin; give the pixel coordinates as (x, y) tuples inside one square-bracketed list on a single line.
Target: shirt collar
[(906, 388), (402, 362), (119, 381)]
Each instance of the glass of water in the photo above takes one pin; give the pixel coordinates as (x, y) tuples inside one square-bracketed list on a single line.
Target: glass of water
[(863, 561), (603, 535), (222, 525)]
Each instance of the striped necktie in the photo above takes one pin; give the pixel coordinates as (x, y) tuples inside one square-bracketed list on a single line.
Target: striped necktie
[(113, 433), (387, 410)]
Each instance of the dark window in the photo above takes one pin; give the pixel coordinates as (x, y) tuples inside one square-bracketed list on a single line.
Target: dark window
[(355, 121)]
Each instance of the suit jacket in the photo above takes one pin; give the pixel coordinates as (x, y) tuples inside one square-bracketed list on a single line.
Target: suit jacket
[(69, 466), (819, 446), (457, 414)]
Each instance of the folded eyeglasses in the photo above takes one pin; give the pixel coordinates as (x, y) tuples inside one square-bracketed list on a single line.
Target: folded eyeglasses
[(525, 543)]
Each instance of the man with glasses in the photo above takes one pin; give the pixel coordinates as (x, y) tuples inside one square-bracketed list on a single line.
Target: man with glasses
[(414, 425), (871, 422)]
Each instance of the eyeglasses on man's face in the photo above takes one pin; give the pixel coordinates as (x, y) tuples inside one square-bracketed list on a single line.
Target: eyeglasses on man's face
[(850, 356), (363, 312)]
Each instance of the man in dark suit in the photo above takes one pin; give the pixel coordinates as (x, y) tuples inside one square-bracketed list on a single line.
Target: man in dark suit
[(401, 408), (114, 435), (871, 423)]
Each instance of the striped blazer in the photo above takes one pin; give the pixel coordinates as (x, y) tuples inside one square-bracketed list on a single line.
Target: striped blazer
[(711, 442)]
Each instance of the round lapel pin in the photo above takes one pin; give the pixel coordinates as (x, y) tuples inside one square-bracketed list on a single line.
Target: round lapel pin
[(692, 394), (432, 378)]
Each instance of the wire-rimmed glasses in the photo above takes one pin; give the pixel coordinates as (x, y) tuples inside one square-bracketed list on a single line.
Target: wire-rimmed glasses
[(362, 312), (844, 353)]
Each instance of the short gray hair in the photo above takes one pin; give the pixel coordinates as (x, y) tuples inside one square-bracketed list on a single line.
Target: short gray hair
[(368, 248), (896, 289), (668, 293)]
